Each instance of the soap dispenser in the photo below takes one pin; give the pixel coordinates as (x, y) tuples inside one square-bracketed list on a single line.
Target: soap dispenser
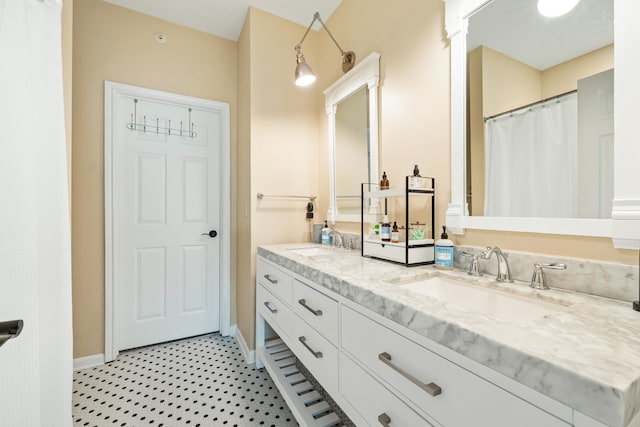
[(326, 238), (444, 251), (415, 181)]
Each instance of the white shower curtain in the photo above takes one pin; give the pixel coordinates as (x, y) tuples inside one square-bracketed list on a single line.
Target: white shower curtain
[(531, 161), (35, 256)]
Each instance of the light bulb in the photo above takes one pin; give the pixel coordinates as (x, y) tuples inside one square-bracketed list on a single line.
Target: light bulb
[(554, 8)]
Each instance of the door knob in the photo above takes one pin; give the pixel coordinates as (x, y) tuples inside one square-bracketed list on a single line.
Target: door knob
[(10, 329), (212, 233)]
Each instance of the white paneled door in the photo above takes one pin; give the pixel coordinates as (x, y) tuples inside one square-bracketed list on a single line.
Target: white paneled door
[(595, 145), (167, 211)]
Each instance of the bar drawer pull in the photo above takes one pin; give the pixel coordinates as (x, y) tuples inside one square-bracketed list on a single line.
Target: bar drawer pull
[(268, 277), (272, 310), (303, 303), (384, 420), (317, 354), (431, 388)]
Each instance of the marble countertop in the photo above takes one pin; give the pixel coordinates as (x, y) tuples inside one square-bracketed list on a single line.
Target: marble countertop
[(586, 356)]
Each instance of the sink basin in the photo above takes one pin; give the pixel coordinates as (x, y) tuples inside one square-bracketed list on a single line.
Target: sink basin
[(312, 251), (494, 303)]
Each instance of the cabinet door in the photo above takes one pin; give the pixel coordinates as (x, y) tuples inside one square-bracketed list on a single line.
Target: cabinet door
[(317, 309), (376, 404), (274, 310), (317, 354), (277, 281)]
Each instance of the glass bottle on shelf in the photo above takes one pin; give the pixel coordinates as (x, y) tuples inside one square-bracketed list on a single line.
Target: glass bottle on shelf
[(384, 182)]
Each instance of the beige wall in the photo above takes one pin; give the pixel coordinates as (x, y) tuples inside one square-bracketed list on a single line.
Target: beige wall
[(280, 146), (414, 92), (245, 289), (475, 132), (116, 44), (507, 83), (564, 77)]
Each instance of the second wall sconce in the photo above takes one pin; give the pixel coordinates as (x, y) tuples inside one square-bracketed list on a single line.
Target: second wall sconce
[(304, 74)]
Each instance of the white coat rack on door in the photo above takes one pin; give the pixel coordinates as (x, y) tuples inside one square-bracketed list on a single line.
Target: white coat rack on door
[(157, 129)]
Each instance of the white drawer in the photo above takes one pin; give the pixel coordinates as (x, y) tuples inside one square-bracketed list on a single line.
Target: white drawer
[(274, 311), (396, 252), (317, 309), (275, 280), (372, 400), (317, 354), (484, 403)]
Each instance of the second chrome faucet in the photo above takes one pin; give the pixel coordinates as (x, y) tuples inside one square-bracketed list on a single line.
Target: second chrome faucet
[(538, 281), (504, 273)]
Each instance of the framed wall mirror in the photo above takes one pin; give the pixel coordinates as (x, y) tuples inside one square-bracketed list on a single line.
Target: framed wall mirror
[(540, 97), (470, 25), (352, 111)]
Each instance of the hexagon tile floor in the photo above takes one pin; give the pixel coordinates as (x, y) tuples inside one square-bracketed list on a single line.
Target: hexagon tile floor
[(202, 381)]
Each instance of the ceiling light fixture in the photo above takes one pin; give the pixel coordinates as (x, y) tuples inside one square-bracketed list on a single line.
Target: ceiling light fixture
[(555, 8), (304, 73)]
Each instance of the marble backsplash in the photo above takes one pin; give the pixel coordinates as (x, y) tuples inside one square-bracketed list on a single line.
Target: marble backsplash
[(606, 279), (611, 280)]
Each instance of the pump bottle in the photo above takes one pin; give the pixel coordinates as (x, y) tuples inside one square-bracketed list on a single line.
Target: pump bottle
[(444, 251), (326, 238)]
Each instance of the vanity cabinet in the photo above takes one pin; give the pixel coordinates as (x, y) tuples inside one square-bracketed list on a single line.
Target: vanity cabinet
[(377, 371), (306, 324), (410, 252), (427, 381)]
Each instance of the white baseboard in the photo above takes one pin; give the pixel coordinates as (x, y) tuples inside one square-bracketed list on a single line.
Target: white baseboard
[(249, 356), (88, 361), (233, 329)]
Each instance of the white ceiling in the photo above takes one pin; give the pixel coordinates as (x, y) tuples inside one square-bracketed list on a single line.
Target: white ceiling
[(225, 18), (516, 29)]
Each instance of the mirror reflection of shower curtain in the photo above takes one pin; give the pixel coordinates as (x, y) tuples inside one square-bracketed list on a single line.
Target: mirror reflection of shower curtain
[(531, 161)]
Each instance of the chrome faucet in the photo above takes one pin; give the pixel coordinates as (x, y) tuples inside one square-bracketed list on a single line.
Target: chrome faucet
[(339, 242), (504, 273), (539, 280), (474, 268)]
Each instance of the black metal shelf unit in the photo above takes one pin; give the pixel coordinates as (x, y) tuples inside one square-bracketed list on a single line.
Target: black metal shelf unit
[(410, 252)]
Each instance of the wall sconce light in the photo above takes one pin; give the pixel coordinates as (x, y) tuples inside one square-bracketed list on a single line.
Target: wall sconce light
[(304, 74)]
